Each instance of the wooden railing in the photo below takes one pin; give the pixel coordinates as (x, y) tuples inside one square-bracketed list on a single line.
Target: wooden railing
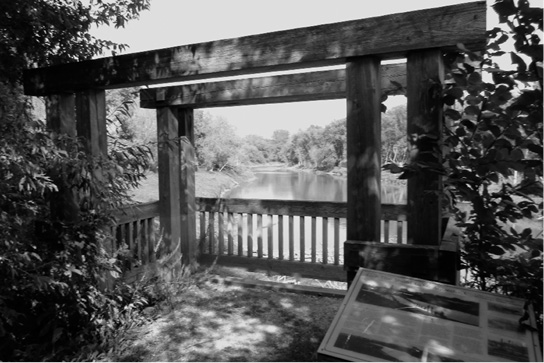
[(298, 236)]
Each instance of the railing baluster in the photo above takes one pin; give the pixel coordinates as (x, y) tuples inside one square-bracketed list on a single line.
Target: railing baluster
[(202, 237), (220, 227), (325, 225), (270, 237), (139, 238), (336, 241), (399, 232), (291, 238), (280, 237), (152, 240), (120, 237), (240, 234), (260, 235), (249, 235), (314, 239), (386, 231), (145, 241), (211, 227), (302, 238), (230, 230), (130, 237)]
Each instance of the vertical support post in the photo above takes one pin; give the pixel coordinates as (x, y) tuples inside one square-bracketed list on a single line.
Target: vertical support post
[(425, 74), (363, 128), (61, 114), (91, 121), (61, 118), (187, 185), (363, 149), (169, 155)]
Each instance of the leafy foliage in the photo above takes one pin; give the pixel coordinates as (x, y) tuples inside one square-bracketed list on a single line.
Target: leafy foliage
[(55, 263), (493, 161)]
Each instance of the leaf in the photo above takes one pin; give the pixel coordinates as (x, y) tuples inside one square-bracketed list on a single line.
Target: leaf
[(393, 168), (496, 250), (516, 59), (453, 114)]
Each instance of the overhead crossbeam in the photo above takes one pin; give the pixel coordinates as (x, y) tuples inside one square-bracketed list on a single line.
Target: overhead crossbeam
[(387, 37), (312, 86)]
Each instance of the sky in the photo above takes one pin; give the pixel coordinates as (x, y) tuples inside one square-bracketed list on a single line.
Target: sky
[(178, 22)]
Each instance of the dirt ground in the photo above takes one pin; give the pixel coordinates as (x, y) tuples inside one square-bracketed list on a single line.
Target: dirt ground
[(214, 322)]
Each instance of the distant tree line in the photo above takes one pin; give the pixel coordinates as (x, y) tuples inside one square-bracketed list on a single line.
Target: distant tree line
[(218, 147)]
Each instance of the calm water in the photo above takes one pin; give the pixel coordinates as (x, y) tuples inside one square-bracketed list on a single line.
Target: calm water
[(304, 185)]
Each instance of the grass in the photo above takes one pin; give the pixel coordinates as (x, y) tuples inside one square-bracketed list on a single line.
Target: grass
[(215, 322), (207, 184)]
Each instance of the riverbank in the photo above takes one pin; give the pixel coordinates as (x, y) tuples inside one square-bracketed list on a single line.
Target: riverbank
[(208, 184)]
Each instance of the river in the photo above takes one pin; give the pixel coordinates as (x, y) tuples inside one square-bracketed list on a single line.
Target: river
[(287, 184)]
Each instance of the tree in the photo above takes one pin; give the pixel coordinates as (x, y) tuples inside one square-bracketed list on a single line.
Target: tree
[(216, 143), (280, 138), (335, 135), (394, 144), (52, 265)]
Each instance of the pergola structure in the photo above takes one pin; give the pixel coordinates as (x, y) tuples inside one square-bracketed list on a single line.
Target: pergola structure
[(76, 99)]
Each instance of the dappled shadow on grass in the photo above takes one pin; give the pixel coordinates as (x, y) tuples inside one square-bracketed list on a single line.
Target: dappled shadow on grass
[(213, 322)]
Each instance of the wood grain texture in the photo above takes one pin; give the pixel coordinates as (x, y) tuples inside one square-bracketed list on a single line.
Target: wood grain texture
[(268, 206), (187, 185), (61, 118), (292, 207), (91, 121), (385, 36), (363, 132), (169, 158), (310, 86), (425, 74), (426, 262)]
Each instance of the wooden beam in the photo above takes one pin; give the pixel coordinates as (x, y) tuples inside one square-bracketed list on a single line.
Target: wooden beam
[(187, 185), (363, 130), (277, 267), (425, 262), (311, 86), (389, 36), (292, 208), (425, 74), (169, 156)]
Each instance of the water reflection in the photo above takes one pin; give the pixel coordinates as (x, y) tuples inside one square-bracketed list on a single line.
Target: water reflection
[(300, 185)]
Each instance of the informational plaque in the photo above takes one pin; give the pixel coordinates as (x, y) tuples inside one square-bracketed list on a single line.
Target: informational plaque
[(389, 317)]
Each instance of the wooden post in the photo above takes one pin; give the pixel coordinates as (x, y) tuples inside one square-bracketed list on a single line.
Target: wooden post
[(169, 156), (363, 151), (91, 121), (61, 114), (61, 118), (425, 74), (187, 185)]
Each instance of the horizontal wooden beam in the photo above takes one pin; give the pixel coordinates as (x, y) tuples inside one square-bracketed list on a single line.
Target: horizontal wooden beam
[(389, 36), (137, 212), (257, 206), (310, 86), (279, 267), (292, 207)]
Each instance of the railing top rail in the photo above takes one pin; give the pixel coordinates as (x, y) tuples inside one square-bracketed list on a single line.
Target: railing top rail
[(389, 36), (264, 206)]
